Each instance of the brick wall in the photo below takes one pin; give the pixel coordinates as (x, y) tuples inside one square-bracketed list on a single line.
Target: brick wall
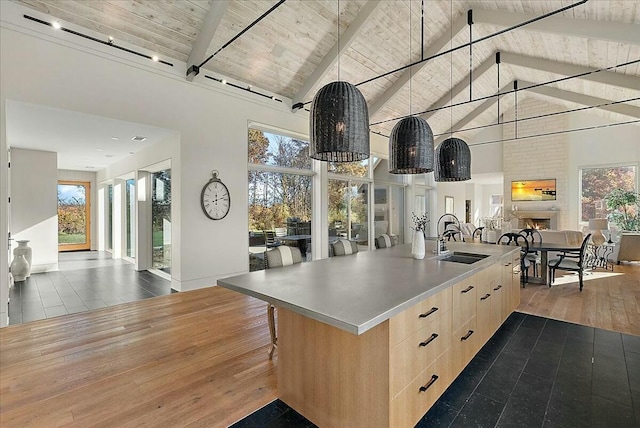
[(537, 158)]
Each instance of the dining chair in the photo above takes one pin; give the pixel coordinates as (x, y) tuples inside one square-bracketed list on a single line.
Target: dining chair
[(279, 257), (477, 234), (270, 239), (344, 247), (570, 262), (385, 241), (533, 236), (518, 240)]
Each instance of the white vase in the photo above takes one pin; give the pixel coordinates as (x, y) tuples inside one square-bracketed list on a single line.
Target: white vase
[(26, 251), (19, 268), (417, 245)]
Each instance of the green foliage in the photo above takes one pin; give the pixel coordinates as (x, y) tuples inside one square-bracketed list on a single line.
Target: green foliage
[(626, 206), (598, 182)]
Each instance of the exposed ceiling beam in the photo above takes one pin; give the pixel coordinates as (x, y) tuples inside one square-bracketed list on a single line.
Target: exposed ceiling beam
[(548, 91), (433, 49), (331, 57), (461, 86), (586, 100), (602, 30), (475, 113), (209, 26), (562, 68)]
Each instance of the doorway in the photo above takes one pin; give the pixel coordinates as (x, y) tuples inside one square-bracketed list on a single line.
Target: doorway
[(74, 219)]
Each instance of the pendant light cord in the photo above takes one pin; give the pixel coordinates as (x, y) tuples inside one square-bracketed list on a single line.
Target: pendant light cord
[(451, 69), (338, 50), (410, 68)]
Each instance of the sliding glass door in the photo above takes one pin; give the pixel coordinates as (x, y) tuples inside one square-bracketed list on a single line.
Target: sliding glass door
[(74, 219)]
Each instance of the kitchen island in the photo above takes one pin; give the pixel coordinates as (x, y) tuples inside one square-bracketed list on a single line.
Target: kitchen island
[(374, 339)]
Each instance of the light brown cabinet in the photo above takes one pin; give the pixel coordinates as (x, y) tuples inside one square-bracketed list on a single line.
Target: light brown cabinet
[(392, 374)]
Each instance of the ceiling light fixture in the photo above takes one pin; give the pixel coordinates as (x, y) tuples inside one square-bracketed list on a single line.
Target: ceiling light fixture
[(155, 58), (411, 140), (115, 138), (138, 138), (111, 39), (56, 25), (453, 157), (339, 120)]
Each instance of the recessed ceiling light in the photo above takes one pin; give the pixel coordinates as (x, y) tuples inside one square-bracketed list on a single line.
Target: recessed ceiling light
[(224, 82), (138, 138), (111, 39), (110, 156), (155, 58), (56, 25), (115, 138), (100, 150), (132, 153), (90, 167)]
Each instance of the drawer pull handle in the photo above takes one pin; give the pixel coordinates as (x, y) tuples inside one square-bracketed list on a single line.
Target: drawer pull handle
[(497, 288), (433, 380), (466, 290), (429, 340), (466, 336), (429, 312), (485, 297)]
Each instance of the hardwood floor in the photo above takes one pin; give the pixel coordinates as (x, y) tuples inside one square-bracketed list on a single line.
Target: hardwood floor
[(188, 359), (200, 358), (609, 300)]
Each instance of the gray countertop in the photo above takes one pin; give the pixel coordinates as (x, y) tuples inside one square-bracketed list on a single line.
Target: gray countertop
[(358, 292)]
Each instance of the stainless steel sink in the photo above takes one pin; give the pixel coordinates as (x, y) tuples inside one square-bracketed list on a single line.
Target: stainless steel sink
[(462, 257)]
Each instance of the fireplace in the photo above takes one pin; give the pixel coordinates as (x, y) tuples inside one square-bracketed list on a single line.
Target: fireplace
[(534, 223), (541, 219)]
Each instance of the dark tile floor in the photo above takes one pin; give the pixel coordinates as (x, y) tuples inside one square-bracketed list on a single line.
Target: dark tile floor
[(85, 280), (534, 372)]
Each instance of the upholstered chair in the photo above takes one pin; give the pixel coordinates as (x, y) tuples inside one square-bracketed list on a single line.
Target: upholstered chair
[(343, 247), (279, 257)]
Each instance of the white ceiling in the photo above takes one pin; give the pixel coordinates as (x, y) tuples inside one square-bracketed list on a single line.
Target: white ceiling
[(82, 141)]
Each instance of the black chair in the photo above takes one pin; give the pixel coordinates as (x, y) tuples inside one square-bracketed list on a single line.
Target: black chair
[(451, 232), (518, 240), (570, 261), (533, 236), (477, 233)]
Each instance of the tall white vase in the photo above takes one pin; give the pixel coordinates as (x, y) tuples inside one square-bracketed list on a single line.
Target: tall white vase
[(24, 250), (417, 245), (19, 268)]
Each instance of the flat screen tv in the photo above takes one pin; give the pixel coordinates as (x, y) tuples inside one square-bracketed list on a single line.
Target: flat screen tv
[(533, 190)]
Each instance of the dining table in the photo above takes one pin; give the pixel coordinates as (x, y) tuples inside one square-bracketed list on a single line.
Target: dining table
[(544, 249)]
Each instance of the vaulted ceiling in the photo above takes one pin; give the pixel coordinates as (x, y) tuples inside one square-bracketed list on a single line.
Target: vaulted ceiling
[(296, 49)]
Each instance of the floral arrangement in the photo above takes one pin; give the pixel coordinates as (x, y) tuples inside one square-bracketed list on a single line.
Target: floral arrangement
[(420, 223)]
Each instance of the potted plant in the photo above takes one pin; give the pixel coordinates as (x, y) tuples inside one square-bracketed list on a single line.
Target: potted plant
[(626, 206)]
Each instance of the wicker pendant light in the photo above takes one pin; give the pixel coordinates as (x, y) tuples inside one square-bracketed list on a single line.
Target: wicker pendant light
[(411, 147), (339, 124), (453, 161)]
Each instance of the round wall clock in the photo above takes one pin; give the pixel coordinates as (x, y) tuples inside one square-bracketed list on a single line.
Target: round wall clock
[(215, 198)]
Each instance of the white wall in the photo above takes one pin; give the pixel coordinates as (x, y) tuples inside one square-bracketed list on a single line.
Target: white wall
[(486, 158), (34, 205), (86, 176)]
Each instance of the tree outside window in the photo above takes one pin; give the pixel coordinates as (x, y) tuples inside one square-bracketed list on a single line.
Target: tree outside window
[(597, 183)]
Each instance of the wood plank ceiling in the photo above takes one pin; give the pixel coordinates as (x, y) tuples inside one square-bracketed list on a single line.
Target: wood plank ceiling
[(281, 53)]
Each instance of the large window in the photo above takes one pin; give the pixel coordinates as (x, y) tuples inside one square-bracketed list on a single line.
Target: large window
[(349, 211), (130, 217), (109, 231), (279, 195), (597, 182), (161, 220)]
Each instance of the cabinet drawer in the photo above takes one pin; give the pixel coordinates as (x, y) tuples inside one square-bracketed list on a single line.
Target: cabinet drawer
[(418, 316), (464, 345), (418, 351), (413, 402), (464, 301)]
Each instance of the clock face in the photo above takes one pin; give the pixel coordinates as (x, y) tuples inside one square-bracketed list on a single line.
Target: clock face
[(215, 200)]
